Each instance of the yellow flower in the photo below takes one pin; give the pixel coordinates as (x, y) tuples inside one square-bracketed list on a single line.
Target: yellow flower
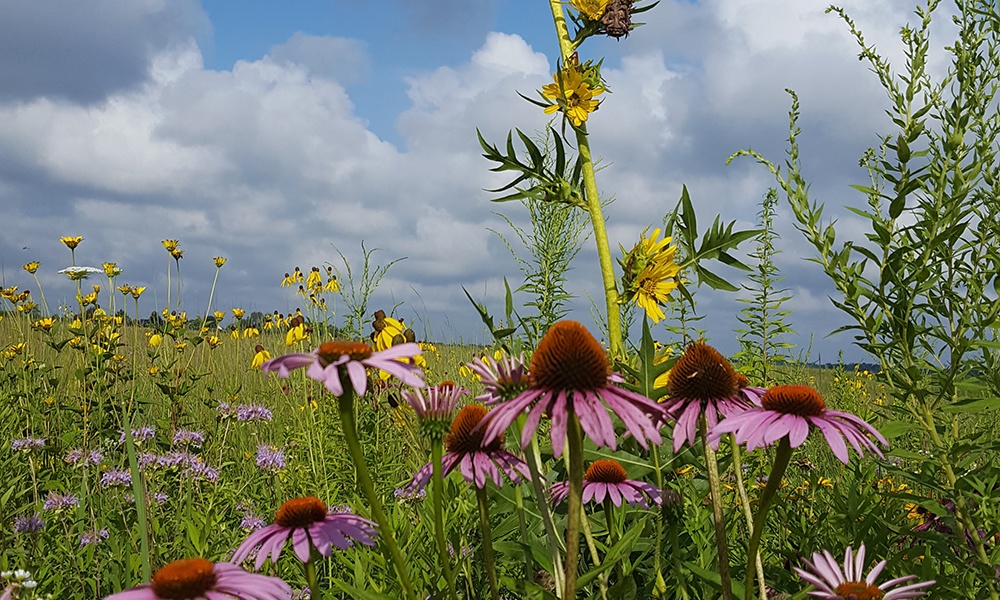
[(315, 279), (296, 334), (572, 94), (177, 253), (170, 245), (251, 332), (219, 315), (387, 332), (111, 269), (155, 339), (650, 274), (137, 291), (71, 242), (180, 346), (653, 288), (125, 289), (153, 370), (332, 285), (824, 482), (663, 380), (13, 351), (32, 266), (260, 357), (27, 307), (592, 9), (684, 470), (238, 313), (90, 298), (44, 324), (219, 261), (234, 334), (213, 341), (76, 342), (465, 371)]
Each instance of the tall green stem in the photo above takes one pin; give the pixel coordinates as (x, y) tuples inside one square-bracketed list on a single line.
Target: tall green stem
[(437, 450), (781, 458), (566, 49), (139, 492), (657, 548), (715, 487), (574, 507), (534, 467), (345, 404), (745, 503), (487, 535), (312, 578)]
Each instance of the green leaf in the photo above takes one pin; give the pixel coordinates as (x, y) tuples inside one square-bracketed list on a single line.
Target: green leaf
[(894, 429), (359, 593), (715, 579), (969, 405)]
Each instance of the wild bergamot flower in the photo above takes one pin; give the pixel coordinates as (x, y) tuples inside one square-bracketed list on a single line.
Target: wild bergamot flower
[(572, 95)]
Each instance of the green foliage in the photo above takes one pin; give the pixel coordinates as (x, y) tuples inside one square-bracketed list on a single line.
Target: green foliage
[(357, 294), (921, 287)]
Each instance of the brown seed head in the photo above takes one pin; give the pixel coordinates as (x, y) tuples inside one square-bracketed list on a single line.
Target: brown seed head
[(331, 351), (799, 400), (464, 437), (859, 590), (184, 579), (300, 512), (605, 471), (701, 373), (569, 358)]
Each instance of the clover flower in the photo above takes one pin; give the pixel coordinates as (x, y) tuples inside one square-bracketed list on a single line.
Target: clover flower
[(832, 583), (308, 523), (792, 411), (570, 374), (477, 458), (331, 360), (193, 578)]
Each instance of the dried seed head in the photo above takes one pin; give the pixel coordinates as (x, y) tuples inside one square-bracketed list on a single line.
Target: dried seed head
[(617, 19)]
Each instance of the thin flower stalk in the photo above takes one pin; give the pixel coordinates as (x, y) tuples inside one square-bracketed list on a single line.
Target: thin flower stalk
[(437, 451), (609, 281), (715, 488), (312, 578), (781, 459), (574, 509), (555, 548), (139, 493), (486, 532), (345, 404), (747, 513)]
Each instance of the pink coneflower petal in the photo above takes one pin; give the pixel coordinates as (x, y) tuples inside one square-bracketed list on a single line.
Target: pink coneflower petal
[(605, 479), (831, 583)]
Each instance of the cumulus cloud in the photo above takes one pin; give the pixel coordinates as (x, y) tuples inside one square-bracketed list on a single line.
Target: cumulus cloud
[(268, 162)]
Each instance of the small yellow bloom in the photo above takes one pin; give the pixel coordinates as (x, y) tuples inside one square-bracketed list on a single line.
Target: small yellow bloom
[(572, 95), (332, 285), (27, 307), (111, 269), (219, 261), (219, 315), (170, 245), (684, 470), (180, 346), (125, 289), (251, 332), (177, 253), (315, 279), (153, 370), (465, 371), (234, 334), (238, 313), (71, 242), (592, 9), (824, 482), (32, 266), (155, 340), (296, 334), (260, 357), (137, 291), (213, 341), (76, 342), (45, 324), (90, 298)]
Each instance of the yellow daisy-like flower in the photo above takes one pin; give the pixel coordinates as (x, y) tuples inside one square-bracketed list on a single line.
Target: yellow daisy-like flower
[(315, 279), (153, 370), (296, 334), (213, 341), (592, 9), (177, 253), (234, 334), (32, 266), (170, 245), (71, 242), (155, 340), (332, 285), (219, 261), (219, 315), (653, 287), (238, 313), (384, 337), (90, 298), (44, 324), (260, 357), (125, 289), (572, 94), (137, 291), (251, 332), (111, 269)]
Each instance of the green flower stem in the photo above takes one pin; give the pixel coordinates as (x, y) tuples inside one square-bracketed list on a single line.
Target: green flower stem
[(437, 451), (211, 296), (522, 528), (312, 578), (486, 532), (745, 503), (566, 49), (574, 507), (657, 550), (534, 465), (781, 458), (715, 488), (588, 535), (609, 519), (139, 492), (675, 550), (345, 404)]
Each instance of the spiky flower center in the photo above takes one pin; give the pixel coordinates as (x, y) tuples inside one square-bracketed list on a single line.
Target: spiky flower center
[(701, 373), (859, 590), (464, 437), (184, 579), (331, 351), (569, 358), (742, 381), (300, 512), (605, 471), (799, 400)]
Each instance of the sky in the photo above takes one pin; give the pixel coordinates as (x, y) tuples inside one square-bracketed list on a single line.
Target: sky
[(274, 134)]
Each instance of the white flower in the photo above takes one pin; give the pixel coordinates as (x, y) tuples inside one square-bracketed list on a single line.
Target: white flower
[(77, 273)]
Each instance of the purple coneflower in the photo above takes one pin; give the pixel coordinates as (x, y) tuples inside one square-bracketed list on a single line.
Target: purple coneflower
[(703, 382), (832, 583), (55, 501), (270, 458), (328, 361), (434, 406), (570, 373), (502, 379), (790, 410), (466, 448), (199, 578), (308, 524), (606, 478)]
